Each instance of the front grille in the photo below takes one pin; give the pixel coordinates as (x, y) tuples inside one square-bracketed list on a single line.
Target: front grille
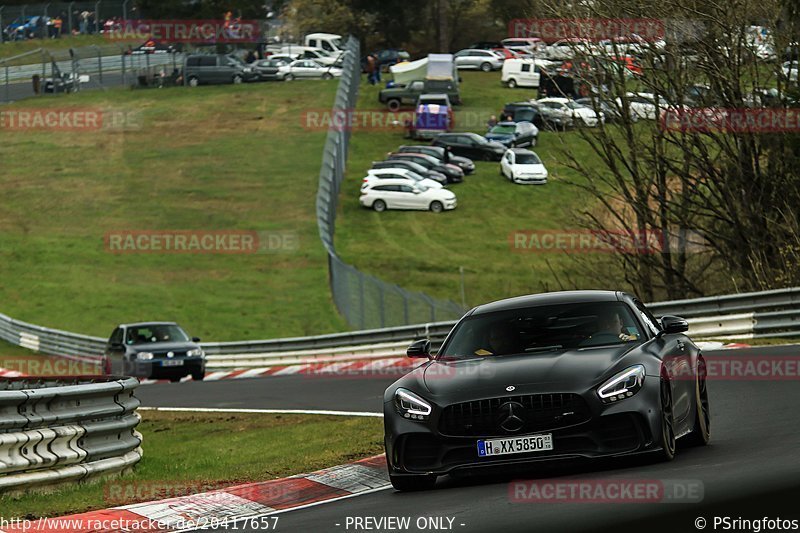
[(175, 353), (536, 412)]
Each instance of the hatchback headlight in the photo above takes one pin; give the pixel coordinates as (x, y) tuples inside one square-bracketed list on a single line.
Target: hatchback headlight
[(623, 385), (144, 356), (411, 406)]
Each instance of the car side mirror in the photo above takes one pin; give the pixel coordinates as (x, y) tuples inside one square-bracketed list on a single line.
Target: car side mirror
[(673, 324), (419, 349), (195, 339)]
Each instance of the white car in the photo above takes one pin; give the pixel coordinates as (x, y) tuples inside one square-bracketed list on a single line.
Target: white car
[(307, 68), (398, 194), (409, 176), (643, 105), (485, 60), (523, 166), (568, 112)]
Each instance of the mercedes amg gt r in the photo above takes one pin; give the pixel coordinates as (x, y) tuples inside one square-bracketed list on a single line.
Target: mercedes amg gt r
[(578, 374)]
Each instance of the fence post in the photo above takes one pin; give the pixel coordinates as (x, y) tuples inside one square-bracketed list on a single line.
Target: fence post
[(97, 17), (44, 11), (7, 86), (2, 37), (361, 300), (124, 72), (70, 13), (125, 10), (100, 63)]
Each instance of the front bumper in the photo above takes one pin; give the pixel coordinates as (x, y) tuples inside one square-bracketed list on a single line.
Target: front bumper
[(165, 368), (629, 427)]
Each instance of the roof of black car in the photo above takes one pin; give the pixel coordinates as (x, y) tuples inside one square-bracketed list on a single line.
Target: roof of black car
[(140, 324), (562, 297)]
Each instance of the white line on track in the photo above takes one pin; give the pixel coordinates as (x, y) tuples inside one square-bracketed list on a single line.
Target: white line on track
[(260, 411)]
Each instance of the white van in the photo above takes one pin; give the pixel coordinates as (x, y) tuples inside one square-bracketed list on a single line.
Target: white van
[(330, 42), (521, 73)]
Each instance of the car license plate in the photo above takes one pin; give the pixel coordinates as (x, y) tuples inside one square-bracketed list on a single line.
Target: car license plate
[(528, 443), (172, 362)]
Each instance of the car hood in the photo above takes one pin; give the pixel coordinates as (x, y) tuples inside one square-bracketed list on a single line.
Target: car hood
[(530, 169), (485, 377), (460, 160), (584, 113), (500, 137)]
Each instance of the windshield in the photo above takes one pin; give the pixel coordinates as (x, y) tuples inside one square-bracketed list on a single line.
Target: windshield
[(414, 176), (155, 333), (505, 130), (525, 115), (575, 105), (546, 328), (528, 159)]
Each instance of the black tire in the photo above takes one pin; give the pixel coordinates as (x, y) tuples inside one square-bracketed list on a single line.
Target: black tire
[(701, 431), (488, 157), (327, 76), (486, 67), (667, 439), (175, 380), (200, 375), (237, 79), (288, 77), (436, 206), (412, 483), (393, 104), (193, 81), (512, 83), (379, 206)]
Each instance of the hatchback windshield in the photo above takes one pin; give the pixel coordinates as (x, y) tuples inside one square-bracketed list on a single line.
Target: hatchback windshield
[(505, 130), (155, 333), (528, 159), (540, 329)]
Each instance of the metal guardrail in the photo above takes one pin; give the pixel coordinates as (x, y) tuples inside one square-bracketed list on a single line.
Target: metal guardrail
[(773, 313), (66, 430)]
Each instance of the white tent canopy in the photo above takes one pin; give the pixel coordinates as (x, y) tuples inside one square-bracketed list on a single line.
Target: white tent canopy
[(405, 73), (433, 67)]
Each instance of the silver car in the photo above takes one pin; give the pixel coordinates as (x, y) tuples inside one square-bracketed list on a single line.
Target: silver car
[(485, 60)]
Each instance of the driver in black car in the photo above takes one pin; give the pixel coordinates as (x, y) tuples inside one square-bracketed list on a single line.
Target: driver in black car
[(610, 330), (502, 339)]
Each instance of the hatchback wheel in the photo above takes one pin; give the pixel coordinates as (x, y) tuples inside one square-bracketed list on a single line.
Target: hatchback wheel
[(193, 81), (289, 77), (437, 207), (379, 206), (237, 79), (486, 67), (327, 76)]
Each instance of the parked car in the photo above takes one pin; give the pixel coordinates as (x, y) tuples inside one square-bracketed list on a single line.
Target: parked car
[(409, 176), (154, 350), (453, 173), (440, 153), (523, 166), (407, 95), (411, 165), (434, 114), (513, 134), (215, 69), (531, 45), (522, 112), (471, 145), (520, 73), (398, 194), (485, 60), (268, 69), (610, 111), (644, 105), (307, 69), (564, 112), (386, 58), (322, 57)]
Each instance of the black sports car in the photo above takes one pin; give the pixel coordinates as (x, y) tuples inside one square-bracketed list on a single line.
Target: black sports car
[(580, 374)]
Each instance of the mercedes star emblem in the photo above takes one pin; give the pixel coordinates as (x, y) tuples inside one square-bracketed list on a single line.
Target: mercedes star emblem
[(509, 416)]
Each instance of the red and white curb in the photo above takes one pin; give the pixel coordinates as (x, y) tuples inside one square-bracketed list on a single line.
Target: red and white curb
[(224, 507), (371, 367)]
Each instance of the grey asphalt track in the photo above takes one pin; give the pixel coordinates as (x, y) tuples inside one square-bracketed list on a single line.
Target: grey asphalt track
[(751, 469)]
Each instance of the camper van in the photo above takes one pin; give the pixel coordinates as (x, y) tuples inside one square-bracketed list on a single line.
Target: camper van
[(330, 42), (520, 73)]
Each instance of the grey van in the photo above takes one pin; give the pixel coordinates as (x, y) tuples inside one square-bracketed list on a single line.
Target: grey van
[(213, 69)]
